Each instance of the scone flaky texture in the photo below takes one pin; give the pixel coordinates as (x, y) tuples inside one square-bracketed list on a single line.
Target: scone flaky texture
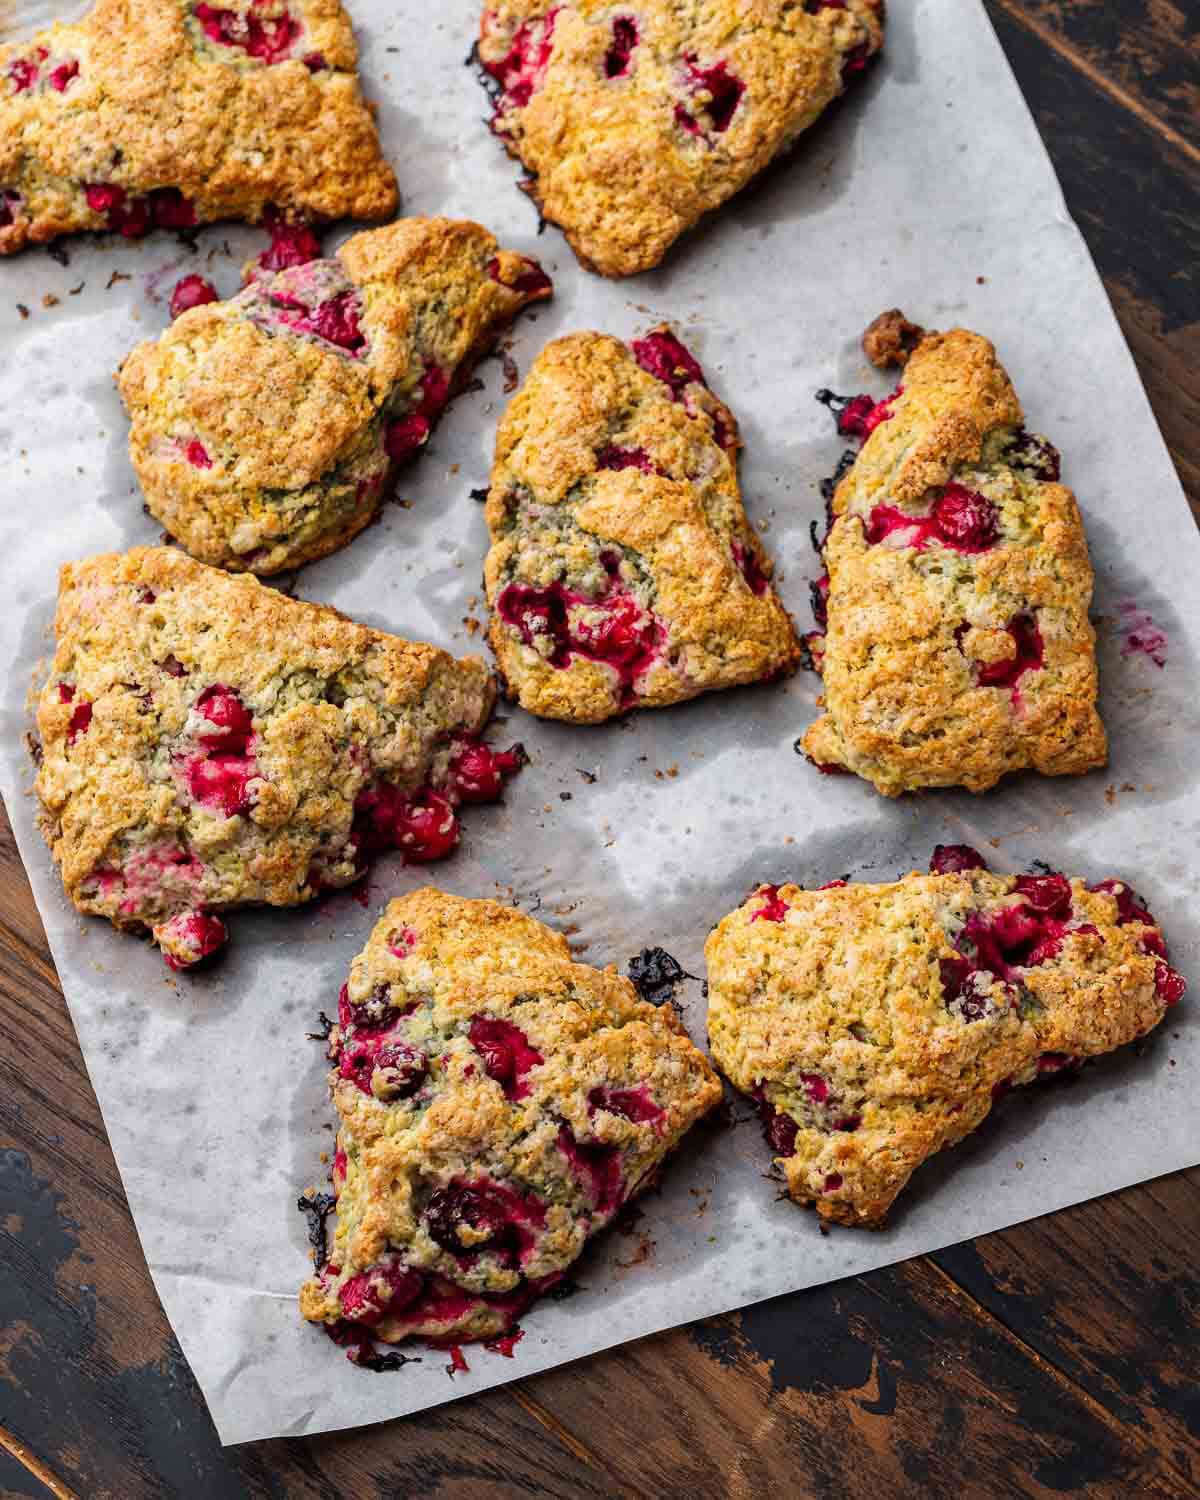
[(623, 571), (958, 646), (497, 1104), (636, 122), (266, 429), (207, 742), (179, 112), (876, 1024)]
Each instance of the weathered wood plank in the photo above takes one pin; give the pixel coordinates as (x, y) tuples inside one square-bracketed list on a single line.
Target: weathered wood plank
[(1144, 54), (1136, 196)]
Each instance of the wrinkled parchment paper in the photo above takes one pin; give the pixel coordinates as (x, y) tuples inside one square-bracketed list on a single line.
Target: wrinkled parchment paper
[(928, 190)]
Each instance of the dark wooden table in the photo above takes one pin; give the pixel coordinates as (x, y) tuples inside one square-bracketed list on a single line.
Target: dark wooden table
[(1058, 1357)]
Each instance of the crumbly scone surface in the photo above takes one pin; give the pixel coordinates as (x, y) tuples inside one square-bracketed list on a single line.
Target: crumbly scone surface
[(623, 570), (875, 1024), (177, 113), (498, 1103), (636, 122), (207, 742), (266, 429), (958, 644)]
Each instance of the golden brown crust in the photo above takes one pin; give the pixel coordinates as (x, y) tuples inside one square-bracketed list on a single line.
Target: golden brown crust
[(528, 1097), (261, 444), (890, 339), (154, 103), (154, 811), (920, 627), (623, 570), (634, 136), (866, 1021)]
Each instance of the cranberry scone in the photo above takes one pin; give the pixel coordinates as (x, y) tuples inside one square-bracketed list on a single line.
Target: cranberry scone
[(497, 1105), (623, 571), (955, 644), (635, 121), (876, 1024), (172, 113), (266, 429), (207, 742)]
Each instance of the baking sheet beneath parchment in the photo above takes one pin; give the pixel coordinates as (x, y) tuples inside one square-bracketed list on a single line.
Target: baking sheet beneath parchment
[(929, 189)]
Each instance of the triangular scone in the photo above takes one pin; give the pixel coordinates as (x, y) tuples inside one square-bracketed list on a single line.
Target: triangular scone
[(957, 587), (623, 571), (171, 113), (208, 742), (876, 1024), (266, 429), (635, 122), (498, 1104)]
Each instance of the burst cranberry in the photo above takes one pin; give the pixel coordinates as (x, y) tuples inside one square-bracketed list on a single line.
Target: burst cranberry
[(833, 1181), (751, 568), (400, 1069), (374, 1012), (291, 244), (1029, 656), (189, 938), (63, 76), (1130, 906), (403, 437), (23, 73), (965, 519), (468, 1217), (1049, 895), (532, 281), (229, 717), (1056, 1062), (477, 773), (779, 1130), (269, 39), (859, 416), (1169, 985), (429, 830), (634, 1105), (9, 204), (197, 455), (611, 457), (816, 1087), (80, 722), (221, 782), (724, 89), (774, 907), (402, 942), (620, 49), (522, 70), (662, 355), (171, 210), (385, 1288), (1036, 454), (597, 1165), (103, 197), (336, 321), (952, 859), (191, 291), (507, 1055)]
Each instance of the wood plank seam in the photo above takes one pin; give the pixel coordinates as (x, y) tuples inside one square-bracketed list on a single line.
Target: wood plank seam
[(1093, 1404), (30, 1461), (552, 1425), (1050, 38)]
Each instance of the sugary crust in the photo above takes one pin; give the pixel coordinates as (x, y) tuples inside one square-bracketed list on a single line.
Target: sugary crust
[(662, 540), (625, 164), (140, 836), (909, 626), (295, 449), (156, 103), (436, 965), (841, 1015)]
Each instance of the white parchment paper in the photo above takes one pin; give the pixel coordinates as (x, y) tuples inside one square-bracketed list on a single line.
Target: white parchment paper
[(928, 189)]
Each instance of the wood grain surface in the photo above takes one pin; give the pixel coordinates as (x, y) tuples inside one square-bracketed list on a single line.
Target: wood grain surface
[(1058, 1357)]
